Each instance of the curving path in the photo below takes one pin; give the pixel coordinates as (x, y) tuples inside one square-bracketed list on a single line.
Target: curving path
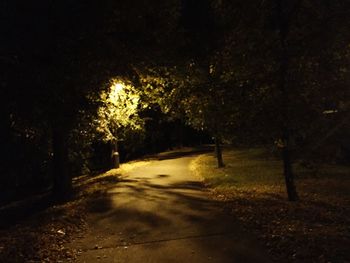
[(161, 213)]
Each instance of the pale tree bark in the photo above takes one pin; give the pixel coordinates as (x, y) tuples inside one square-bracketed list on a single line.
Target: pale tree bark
[(115, 162)]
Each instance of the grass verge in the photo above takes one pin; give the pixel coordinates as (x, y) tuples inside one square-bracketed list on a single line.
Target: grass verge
[(251, 186)]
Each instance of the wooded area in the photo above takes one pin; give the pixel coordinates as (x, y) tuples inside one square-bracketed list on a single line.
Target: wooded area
[(81, 80), (86, 84)]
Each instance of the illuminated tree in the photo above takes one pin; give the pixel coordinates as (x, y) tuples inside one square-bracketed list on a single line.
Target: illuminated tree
[(57, 52), (118, 115)]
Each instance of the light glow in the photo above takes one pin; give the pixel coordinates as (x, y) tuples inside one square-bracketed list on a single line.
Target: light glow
[(119, 110), (117, 87)]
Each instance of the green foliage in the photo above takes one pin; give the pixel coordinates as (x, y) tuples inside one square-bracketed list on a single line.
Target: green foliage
[(214, 64), (118, 113), (57, 54), (242, 90)]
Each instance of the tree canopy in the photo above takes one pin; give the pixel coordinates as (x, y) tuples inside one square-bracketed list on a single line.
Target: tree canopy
[(245, 72)]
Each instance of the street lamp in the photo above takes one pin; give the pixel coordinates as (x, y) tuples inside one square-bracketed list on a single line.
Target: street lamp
[(118, 87), (115, 90), (118, 112)]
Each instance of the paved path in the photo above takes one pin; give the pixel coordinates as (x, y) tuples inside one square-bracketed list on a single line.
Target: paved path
[(161, 213)]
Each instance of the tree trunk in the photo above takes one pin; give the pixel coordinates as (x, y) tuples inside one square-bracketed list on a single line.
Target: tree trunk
[(283, 21), (62, 181), (115, 162), (288, 170), (218, 152)]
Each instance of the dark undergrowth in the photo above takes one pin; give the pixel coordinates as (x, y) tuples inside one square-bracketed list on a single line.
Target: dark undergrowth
[(42, 237)]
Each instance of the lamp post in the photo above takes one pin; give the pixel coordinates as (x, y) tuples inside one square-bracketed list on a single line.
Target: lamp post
[(115, 154), (117, 87)]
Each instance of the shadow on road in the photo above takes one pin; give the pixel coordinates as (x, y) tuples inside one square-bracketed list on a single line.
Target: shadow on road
[(147, 209), (161, 210)]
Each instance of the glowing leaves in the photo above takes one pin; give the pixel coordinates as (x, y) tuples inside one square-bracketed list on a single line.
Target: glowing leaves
[(119, 111)]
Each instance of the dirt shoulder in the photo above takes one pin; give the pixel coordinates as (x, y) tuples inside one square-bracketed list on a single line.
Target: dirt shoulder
[(43, 236), (315, 229)]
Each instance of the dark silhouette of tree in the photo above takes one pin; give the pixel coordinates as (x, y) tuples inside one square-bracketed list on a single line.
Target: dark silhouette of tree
[(277, 65), (241, 70), (61, 53)]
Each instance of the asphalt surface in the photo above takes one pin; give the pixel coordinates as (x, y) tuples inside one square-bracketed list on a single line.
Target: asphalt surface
[(161, 213)]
